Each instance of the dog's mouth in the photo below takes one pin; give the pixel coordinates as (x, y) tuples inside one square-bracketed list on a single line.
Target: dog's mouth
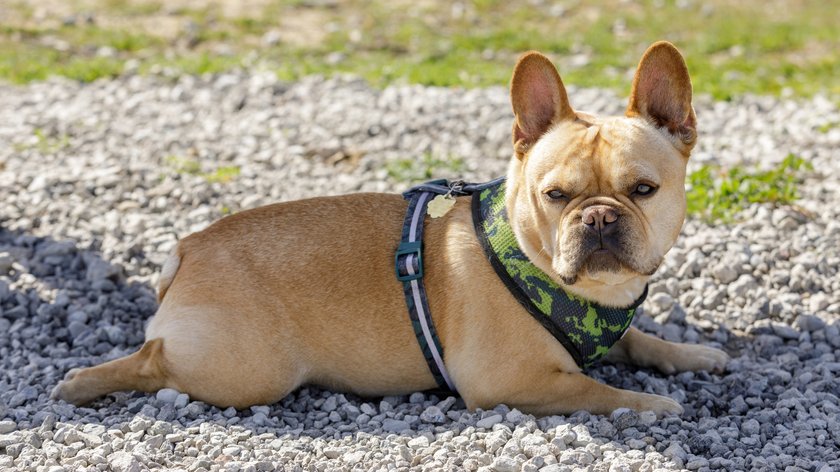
[(595, 262), (585, 254), (603, 260)]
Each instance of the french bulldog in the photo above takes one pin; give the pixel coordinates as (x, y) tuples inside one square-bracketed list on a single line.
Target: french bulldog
[(269, 299)]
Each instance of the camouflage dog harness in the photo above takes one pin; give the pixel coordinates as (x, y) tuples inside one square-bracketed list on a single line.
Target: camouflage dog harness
[(586, 329)]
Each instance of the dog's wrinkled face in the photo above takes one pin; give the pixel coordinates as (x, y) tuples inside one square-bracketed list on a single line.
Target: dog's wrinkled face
[(600, 200), (611, 195)]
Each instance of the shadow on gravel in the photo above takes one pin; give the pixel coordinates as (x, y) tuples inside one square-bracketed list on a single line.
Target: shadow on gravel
[(61, 306)]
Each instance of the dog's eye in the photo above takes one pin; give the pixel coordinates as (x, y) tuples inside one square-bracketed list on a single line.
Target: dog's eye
[(644, 189), (555, 195)]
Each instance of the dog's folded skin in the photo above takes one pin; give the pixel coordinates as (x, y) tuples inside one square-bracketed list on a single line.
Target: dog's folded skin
[(304, 292)]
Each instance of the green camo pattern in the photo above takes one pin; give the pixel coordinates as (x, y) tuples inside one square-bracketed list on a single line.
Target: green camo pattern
[(590, 328)]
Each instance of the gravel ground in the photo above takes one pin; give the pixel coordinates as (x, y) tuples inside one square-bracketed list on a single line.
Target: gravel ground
[(98, 181)]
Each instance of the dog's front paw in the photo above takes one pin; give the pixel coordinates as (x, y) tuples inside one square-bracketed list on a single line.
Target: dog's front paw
[(693, 357), (66, 390), (662, 406)]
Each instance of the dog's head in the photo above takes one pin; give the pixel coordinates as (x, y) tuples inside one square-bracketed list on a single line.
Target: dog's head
[(596, 202)]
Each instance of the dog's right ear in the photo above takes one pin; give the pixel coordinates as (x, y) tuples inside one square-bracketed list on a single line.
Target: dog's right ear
[(539, 100)]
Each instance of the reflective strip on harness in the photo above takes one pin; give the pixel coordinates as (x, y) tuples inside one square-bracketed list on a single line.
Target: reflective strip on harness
[(408, 263), (409, 268)]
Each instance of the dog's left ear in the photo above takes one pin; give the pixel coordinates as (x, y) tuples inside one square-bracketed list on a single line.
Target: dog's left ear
[(662, 93), (539, 100)]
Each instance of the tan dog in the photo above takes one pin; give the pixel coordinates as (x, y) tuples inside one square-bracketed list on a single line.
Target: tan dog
[(304, 292)]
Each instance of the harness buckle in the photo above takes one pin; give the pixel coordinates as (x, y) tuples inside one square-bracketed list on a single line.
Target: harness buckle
[(407, 249), (456, 187)]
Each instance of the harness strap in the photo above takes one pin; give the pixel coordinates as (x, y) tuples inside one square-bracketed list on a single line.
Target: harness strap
[(586, 329), (408, 262), (409, 267)]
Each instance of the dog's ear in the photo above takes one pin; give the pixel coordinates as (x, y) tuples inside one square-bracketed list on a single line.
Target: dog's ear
[(538, 98), (662, 93)]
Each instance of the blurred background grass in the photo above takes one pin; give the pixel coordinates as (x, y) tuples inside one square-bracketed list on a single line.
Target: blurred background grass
[(732, 47)]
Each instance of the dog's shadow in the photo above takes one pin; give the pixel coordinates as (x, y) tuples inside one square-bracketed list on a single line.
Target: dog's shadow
[(63, 306)]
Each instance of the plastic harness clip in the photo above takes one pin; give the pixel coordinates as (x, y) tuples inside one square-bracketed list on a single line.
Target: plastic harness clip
[(407, 249)]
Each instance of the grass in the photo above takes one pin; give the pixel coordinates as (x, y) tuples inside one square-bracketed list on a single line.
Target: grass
[(826, 127), (188, 166), (44, 143), (717, 194), (411, 170), (223, 174), (765, 47), (183, 165)]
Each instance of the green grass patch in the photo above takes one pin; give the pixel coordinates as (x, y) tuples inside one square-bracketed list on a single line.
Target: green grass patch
[(194, 64), (44, 143), (826, 127), (22, 63), (190, 166), (426, 167), (94, 37), (717, 194), (133, 8), (183, 165), (223, 174)]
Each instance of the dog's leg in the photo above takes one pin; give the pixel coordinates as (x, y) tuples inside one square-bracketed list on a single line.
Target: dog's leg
[(142, 371), (239, 383), (645, 350), (564, 393)]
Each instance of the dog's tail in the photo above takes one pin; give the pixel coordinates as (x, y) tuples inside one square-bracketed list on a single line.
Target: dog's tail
[(168, 271)]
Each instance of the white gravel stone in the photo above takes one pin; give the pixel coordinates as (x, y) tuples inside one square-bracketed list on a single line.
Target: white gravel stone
[(330, 404), (181, 400), (488, 422), (395, 426), (505, 464), (419, 442), (662, 301), (167, 395), (724, 273), (432, 414)]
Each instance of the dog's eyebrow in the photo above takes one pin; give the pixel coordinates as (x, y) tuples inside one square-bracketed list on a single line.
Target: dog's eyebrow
[(636, 172)]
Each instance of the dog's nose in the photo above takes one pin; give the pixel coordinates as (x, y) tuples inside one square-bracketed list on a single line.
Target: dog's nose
[(600, 218)]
